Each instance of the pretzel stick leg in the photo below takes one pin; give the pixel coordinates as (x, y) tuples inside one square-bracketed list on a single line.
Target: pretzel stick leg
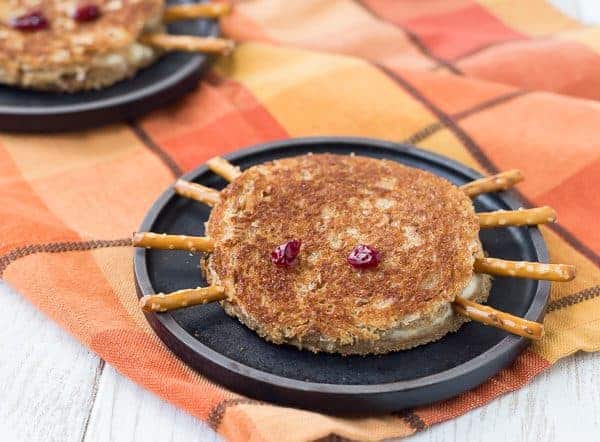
[(524, 269), (524, 217), (163, 241), (224, 168), (504, 321), (181, 298), (197, 192), (188, 43), (192, 11), (494, 183)]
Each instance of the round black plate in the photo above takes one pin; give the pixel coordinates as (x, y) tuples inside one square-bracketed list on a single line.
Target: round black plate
[(170, 77), (229, 353)]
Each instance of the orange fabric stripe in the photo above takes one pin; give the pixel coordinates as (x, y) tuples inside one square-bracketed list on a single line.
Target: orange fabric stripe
[(554, 116), (454, 33), (455, 30), (191, 135), (339, 91), (342, 27), (580, 218), (24, 218), (454, 94), (402, 11), (105, 191), (82, 311), (245, 422), (561, 66)]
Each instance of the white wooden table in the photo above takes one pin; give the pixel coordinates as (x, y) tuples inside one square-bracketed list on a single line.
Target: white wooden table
[(54, 389)]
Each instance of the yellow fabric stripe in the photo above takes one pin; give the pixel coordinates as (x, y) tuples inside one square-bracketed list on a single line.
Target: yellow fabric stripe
[(531, 17), (43, 156), (86, 178), (345, 95), (589, 37)]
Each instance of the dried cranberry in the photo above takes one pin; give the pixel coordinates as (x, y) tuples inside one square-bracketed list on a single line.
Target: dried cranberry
[(31, 21), (86, 13), (286, 254), (363, 256)]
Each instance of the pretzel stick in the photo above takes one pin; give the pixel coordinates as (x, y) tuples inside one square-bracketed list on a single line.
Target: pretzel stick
[(192, 11), (163, 241), (494, 183), (523, 217), (223, 168), (197, 192), (188, 43), (182, 298), (504, 321), (524, 269)]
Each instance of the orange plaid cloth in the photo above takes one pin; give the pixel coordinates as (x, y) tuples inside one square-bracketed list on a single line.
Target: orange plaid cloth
[(495, 84)]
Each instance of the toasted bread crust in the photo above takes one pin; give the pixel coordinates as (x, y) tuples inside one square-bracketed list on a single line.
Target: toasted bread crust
[(423, 226), (69, 56)]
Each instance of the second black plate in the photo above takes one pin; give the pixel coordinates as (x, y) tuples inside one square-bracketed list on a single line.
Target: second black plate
[(170, 77), (229, 353)]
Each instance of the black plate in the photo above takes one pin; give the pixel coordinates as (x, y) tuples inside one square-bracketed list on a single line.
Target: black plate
[(169, 78), (229, 353)]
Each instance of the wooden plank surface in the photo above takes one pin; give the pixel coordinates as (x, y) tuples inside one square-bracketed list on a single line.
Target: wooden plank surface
[(125, 412), (53, 389), (562, 404), (48, 379)]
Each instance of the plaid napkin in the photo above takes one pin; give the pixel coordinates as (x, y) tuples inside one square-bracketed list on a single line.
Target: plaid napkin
[(495, 84)]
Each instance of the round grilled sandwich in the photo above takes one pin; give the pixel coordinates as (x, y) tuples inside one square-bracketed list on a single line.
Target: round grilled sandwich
[(66, 45), (344, 254)]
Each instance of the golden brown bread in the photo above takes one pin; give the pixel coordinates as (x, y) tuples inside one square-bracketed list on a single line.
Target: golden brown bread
[(423, 226), (68, 55)]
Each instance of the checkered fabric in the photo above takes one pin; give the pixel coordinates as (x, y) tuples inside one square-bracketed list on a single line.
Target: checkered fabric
[(494, 84)]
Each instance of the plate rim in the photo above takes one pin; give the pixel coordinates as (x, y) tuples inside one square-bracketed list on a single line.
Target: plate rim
[(510, 345), (194, 63)]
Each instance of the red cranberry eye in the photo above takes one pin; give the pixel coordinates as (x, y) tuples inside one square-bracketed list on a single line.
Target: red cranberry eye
[(32, 21), (86, 13), (363, 256), (286, 254)]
